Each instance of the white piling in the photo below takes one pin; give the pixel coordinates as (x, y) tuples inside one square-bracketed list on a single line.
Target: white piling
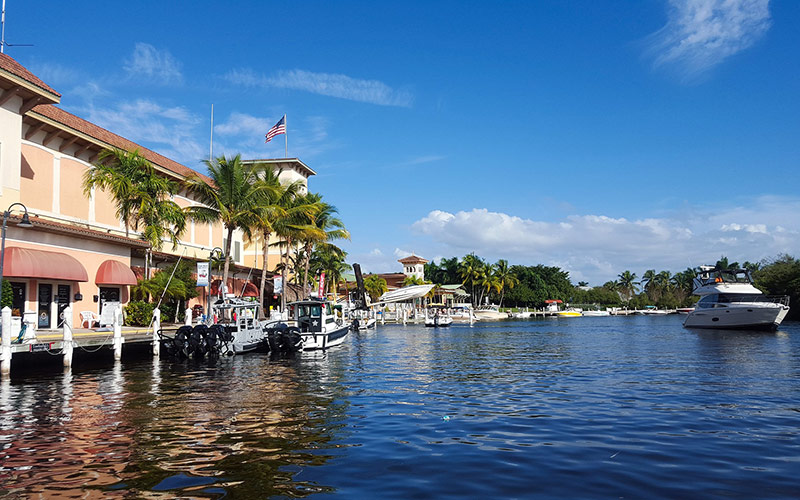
[(5, 343), (68, 346), (118, 340), (188, 318), (156, 328), (471, 317), (383, 316), (404, 316)]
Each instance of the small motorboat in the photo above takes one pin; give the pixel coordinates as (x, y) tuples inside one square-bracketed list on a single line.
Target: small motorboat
[(317, 324), (437, 316), (489, 312)]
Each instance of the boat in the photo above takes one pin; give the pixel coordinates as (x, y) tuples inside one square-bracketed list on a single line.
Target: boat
[(684, 310), (438, 318), (653, 311), (569, 313), (236, 330), (489, 312), (406, 293), (317, 324), (597, 312), (363, 323), (728, 300)]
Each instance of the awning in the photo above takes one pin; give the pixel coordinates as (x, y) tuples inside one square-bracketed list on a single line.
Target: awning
[(250, 290), (113, 272), (41, 264)]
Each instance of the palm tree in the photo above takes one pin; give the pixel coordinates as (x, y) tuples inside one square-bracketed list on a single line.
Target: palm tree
[(329, 228), (471, 270), (628, 284), (142, 196), (234, 197), (648, 280), (505, 277), (375, 286), (330, 260), (292, 227)]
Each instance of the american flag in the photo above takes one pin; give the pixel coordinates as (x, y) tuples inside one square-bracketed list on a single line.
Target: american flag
[(278, 129)]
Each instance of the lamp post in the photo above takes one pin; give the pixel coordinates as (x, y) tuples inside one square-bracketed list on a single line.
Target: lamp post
[(24, 223), (210, 278)]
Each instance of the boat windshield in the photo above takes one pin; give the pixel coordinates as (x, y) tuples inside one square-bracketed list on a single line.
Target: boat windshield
[(725, 276), (309, 311)]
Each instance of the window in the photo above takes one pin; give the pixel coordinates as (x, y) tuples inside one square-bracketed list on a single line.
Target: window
[(236, 249)]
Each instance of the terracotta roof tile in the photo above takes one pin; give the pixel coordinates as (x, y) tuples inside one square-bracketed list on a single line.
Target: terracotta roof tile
[(9, 64), (101, 134)]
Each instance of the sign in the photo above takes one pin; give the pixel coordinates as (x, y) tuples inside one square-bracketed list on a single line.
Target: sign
[(41, 347), (321, 285), (202, 274), (277, 282)]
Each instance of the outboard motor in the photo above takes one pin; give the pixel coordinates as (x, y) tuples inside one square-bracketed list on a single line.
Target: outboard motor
[(223, 338), (181, 341), (291, 340), (197, 347)]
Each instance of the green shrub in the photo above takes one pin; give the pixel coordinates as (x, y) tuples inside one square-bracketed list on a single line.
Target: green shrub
[(138, 313)]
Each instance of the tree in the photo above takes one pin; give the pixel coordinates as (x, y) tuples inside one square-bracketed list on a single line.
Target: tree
[(234, 197), (276, 198), (628, 284), (506, 278), (375, 286), (330, 260), (327, 227), (142, 197), (780, 276), (176, 291)]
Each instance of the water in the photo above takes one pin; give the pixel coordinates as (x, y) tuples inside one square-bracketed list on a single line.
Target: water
[(618, 407)]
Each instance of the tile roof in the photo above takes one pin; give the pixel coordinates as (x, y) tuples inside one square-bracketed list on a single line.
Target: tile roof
[(9, 64), (42, 224), (103, 135)]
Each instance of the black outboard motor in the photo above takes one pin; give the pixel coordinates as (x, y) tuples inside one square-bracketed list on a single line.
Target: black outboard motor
[(354, 326), (224, 338), (197, 344), (181, 341), (291, 340)]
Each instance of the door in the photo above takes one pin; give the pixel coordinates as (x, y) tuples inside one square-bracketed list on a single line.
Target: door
[(45, 301), (62, 299), (108, 295), (18, 298)]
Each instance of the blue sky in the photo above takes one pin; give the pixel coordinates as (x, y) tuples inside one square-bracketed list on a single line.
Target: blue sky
[(597, 136)]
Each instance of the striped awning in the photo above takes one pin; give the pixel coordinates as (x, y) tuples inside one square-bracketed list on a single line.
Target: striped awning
[(42, 264), (114, 272)]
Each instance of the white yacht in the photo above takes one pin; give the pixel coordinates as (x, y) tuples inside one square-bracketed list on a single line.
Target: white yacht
[(437, 316), (489, 312), (729, 300)]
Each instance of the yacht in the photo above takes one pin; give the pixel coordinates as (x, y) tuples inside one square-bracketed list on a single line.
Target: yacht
[(489, 312), (728, 299), (437, 316)]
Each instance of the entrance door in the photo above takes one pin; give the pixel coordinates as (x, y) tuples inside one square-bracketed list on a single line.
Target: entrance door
[(108, 295), (18, 298), (45, 300), (62, 298)]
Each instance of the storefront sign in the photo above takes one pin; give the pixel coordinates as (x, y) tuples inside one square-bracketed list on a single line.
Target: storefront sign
[(278, 284)]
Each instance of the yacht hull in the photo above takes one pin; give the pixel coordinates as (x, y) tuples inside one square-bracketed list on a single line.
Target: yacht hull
[(754, 317)]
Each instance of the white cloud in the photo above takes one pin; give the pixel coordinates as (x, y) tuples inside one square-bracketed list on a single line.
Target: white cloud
[(153, 65), (400, 253), (597, 248), (376, 252), (701, 34), (328, 84), (169, 130)]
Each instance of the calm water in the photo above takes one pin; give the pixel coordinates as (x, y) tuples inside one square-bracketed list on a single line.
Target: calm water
[(632, 407)]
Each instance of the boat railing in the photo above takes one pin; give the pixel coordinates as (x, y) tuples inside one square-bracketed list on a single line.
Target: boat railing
[(776, 299)]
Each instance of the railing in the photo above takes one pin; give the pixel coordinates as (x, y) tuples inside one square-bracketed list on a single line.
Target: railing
[(774, 299)]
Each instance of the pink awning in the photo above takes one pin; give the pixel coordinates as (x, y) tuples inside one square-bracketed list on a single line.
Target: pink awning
[(113, 272), (250, 290), (42, 264)]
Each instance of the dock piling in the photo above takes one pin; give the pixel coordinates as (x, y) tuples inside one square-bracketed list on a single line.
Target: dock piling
[(67, 347), (156, 328), (188, 317), (118, 340), (5, 344)]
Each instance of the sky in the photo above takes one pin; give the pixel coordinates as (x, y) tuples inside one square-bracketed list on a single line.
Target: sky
[(597, 136)]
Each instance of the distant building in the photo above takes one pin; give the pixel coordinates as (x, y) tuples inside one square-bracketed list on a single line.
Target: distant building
[(414, 266)]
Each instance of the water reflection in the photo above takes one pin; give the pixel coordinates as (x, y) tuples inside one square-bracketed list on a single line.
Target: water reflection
[(129, 431)]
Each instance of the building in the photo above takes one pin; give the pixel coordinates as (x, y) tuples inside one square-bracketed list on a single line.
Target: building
[(414, 266), (78, 253)]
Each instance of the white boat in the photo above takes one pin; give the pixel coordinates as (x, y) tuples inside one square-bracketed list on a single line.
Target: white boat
[(363, 324), (596, 312), (652, 311), (236, 331), (437, 316), (319, 328), (489, 312), (728, 299), (684, 310), (406, 293)]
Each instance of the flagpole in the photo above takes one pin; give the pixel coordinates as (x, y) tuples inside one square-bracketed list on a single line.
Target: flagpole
[(286, 137)]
